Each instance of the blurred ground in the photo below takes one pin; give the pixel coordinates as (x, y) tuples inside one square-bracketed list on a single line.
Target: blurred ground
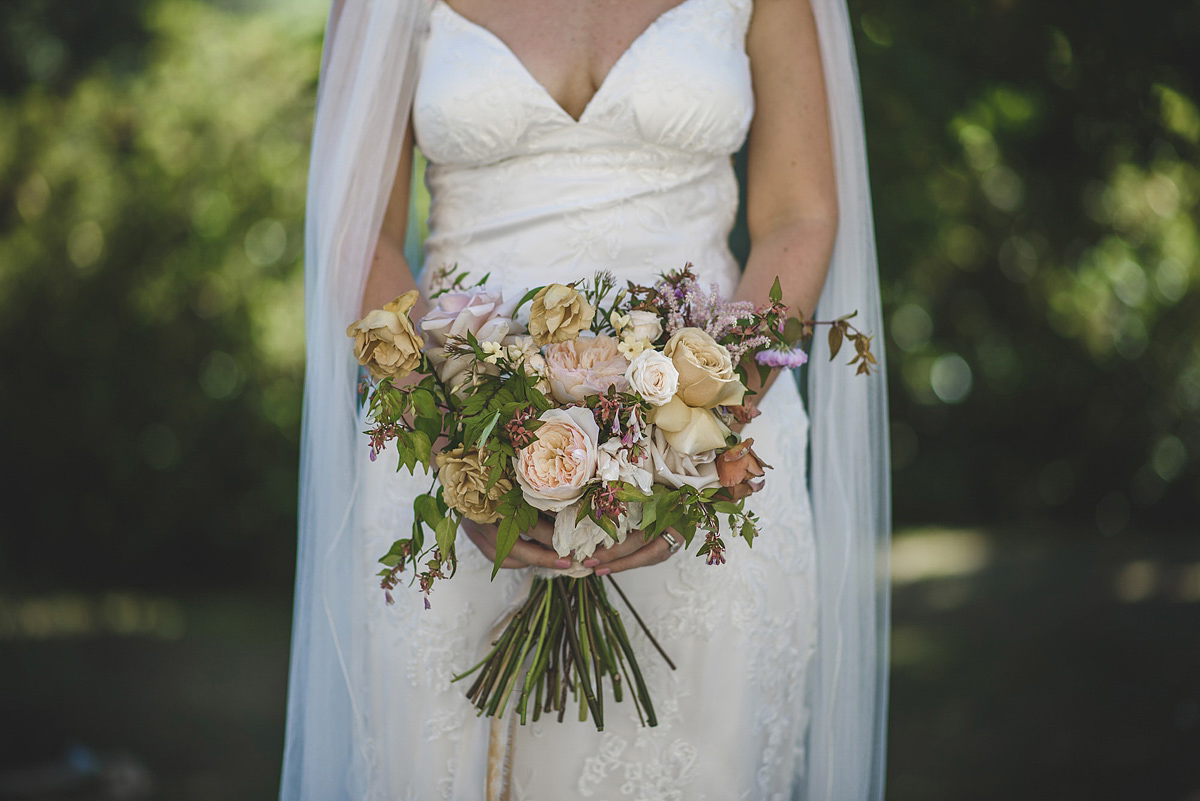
[(1024, 666)]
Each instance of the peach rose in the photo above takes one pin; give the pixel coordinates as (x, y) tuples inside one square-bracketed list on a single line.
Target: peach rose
[(554, 470), (585, 366), (558, 313), (385, 341), (706, 376)]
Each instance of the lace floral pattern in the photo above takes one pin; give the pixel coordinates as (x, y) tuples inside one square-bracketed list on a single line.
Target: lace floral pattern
[(640, 183)]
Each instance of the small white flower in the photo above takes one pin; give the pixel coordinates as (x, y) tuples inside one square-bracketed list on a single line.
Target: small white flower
[(613, 464), (618, 320), (631, 348)]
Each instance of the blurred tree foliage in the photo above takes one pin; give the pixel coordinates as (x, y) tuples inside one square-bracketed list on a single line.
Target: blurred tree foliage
[(1036, 190), (150, 245)]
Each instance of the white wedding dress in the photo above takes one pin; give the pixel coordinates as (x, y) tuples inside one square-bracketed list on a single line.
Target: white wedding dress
[(641, 183)]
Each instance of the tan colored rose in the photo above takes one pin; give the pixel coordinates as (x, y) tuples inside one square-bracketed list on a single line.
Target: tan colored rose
[(706, 376), (738, 467), (464, 483), (585, 366), (558, 314), (385, 341), (688, 429)]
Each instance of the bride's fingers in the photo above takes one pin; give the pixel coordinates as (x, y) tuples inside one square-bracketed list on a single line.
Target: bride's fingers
[(523, 553), (487, 547), (633, 541), (651, 553)]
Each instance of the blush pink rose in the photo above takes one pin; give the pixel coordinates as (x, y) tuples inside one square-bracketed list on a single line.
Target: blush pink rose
[(585, 366), (554, 470)]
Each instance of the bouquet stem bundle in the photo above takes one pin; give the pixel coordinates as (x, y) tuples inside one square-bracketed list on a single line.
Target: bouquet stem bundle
[(566, 640)]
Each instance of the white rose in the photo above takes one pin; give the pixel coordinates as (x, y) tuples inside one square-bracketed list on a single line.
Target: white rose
[(643, 325), (612, 464), (653, 376), (676, 469)]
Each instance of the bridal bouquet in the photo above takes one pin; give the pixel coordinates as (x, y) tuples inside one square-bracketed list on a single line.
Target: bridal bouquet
[(608, 411)]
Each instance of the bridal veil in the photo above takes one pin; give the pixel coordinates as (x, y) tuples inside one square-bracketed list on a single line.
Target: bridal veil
[(368, 77)]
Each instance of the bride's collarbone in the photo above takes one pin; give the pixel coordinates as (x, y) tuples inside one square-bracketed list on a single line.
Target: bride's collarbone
[(568, 46)]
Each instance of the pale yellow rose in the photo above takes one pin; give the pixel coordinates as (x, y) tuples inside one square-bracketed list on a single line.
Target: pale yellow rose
[(558, 314), (554, 470), (706, 376), (465, 485), (688, 429), (585, 366), (385, 341), (675, 469)]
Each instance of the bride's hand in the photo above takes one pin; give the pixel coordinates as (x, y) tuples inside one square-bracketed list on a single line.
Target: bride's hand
[(525, 553), (635, 551)]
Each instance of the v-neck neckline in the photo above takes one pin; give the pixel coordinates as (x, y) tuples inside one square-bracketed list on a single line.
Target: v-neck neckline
[(540, 86)]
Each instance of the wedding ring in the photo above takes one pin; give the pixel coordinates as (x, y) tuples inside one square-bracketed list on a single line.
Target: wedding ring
[(673, 544)]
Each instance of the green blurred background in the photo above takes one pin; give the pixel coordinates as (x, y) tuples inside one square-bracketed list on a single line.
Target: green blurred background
[(1037, 197)]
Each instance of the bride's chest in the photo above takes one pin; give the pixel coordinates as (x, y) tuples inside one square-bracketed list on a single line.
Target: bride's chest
[(683, 84)]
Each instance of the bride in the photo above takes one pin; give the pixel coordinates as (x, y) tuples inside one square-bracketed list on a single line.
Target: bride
[(563, 138)]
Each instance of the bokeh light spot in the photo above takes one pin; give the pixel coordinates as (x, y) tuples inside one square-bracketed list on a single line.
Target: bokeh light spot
[(265, 242), (950, 378), (85, 244), (220, 377), (911, 327)]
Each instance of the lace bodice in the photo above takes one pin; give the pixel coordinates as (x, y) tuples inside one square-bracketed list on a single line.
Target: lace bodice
[(642, 182)]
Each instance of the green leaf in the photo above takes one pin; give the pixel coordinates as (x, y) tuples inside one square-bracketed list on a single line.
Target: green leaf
[(425, 507), (528, 296), (776, 291), (630, 493), (445, 530), (395, 554), (727, 507), (425, 402), (487, 430), (793, 330), (422, 449), (749, 532)]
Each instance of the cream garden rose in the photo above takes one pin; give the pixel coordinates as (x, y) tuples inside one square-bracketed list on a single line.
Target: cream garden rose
[(706, 376), (558, 313), (585, 366), (675, 469), (653, 376), (554, 470), (385, 341)]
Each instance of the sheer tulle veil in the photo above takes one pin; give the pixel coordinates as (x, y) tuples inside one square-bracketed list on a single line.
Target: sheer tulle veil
[(367, 81)]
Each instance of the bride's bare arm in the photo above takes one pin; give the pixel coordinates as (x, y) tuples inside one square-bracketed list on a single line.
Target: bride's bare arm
[(791, 204), (390, 275)]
